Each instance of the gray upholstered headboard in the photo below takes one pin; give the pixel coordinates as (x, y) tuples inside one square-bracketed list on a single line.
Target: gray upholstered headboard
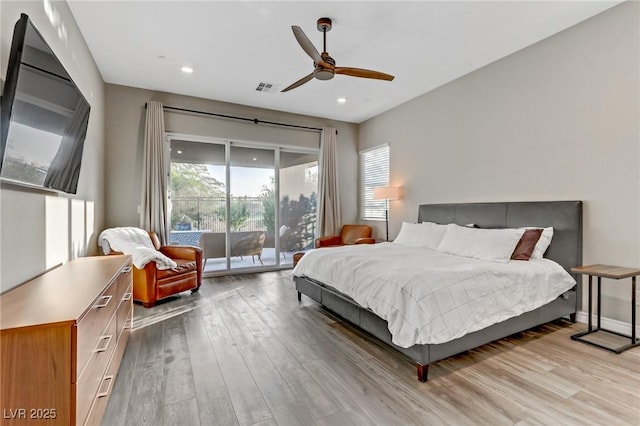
[(564, 216)]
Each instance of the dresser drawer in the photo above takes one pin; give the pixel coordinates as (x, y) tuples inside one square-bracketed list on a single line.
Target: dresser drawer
[(124, 316), (101, 398), (90, 328), (100, 401), (91, 377), (124, 282)]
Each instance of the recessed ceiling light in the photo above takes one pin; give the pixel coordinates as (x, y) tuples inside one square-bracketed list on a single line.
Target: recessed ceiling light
[(187, 70), (254, 158), (179, 152), (342, 100)]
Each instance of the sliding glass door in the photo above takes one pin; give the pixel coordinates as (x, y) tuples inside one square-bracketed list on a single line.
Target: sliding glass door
[(251, 220), (248, 206), (198, 199), (298, 201)]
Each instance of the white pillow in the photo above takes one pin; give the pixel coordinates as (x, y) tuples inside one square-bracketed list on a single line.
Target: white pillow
[(543, 243), (495, 245), (425, 234), (409, 235), (432, 234)]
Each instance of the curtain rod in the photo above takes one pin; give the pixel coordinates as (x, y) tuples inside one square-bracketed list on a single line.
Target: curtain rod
[(234, 117)]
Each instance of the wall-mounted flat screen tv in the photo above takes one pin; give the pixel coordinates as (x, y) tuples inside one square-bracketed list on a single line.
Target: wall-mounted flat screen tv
[(44, 116)]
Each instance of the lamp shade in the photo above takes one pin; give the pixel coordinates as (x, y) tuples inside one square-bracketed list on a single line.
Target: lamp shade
[(386, 193)]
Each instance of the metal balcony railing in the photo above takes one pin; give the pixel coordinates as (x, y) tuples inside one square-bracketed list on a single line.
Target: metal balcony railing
[(208, 213)]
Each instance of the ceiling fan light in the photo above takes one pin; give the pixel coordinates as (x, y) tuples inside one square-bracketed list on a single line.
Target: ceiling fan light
[(323, 74)]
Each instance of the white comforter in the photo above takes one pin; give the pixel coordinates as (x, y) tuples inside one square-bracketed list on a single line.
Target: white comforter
[(428, 296)]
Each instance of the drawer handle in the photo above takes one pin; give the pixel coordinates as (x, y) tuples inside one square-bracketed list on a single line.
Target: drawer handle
[(104, 302), (126, 270), (128, 324), (126, 297), (107, 340), (108, 380)]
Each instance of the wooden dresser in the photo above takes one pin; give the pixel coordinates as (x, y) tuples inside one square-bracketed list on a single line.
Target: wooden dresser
[(62, 337)]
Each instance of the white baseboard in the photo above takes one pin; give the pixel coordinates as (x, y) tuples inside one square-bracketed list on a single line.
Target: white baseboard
[(608, 323)]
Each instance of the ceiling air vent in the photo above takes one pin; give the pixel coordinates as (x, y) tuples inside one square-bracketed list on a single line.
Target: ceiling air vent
[(266, 87)]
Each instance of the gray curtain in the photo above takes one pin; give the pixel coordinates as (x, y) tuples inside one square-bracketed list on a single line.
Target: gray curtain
[(154, 174), (329, 220)]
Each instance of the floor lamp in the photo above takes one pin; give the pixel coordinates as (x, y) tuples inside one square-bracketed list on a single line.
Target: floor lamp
[(386, 193)]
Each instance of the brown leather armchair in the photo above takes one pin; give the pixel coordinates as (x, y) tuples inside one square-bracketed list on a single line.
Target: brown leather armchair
[(349, 234), (151, 284)]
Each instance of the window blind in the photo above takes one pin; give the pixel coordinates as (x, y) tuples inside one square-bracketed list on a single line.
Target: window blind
[(374, 172)]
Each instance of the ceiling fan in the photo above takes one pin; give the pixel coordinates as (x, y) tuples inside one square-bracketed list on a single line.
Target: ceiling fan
[(324, 65)]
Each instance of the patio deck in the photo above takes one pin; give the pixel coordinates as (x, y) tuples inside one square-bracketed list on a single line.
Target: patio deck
[(219, 264)]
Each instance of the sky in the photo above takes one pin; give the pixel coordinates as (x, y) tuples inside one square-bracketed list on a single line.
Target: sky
[(244, 180)]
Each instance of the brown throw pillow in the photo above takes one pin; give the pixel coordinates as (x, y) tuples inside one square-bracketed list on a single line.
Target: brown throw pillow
[(527, 242)]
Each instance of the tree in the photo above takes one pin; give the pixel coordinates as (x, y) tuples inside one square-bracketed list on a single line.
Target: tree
[(239, 214), (269, 207), (194, 180), (299, 217)]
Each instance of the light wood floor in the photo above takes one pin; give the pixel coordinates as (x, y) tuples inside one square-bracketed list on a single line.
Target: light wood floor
[(245, 351)]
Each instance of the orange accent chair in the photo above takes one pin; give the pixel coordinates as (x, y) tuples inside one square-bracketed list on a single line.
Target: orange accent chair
[(349, 234), (151, 284)]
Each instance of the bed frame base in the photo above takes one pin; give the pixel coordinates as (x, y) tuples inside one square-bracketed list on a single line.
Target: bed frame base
[(423, 370), (566, 249), (425, 354)]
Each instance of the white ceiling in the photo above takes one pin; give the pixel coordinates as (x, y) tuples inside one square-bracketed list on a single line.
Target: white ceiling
[(234, 45)]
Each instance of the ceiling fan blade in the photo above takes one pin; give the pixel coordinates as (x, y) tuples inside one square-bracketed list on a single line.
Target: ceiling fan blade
[(359, 72), (306, 44), (300, 82)]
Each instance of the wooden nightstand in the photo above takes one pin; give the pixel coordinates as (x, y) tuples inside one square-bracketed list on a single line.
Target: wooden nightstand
[(615, 273)]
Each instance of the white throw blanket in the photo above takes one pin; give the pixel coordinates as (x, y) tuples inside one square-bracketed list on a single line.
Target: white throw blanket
[(430, 297), (136, 242)]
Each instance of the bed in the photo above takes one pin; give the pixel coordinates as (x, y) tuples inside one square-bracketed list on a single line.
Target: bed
[(566, 250)]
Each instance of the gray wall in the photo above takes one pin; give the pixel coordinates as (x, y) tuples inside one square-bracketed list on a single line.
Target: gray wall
[(41, 229), (558, 120), (125, 132)]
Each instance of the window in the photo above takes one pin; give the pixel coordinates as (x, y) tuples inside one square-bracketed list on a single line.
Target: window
[(374, 172)]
